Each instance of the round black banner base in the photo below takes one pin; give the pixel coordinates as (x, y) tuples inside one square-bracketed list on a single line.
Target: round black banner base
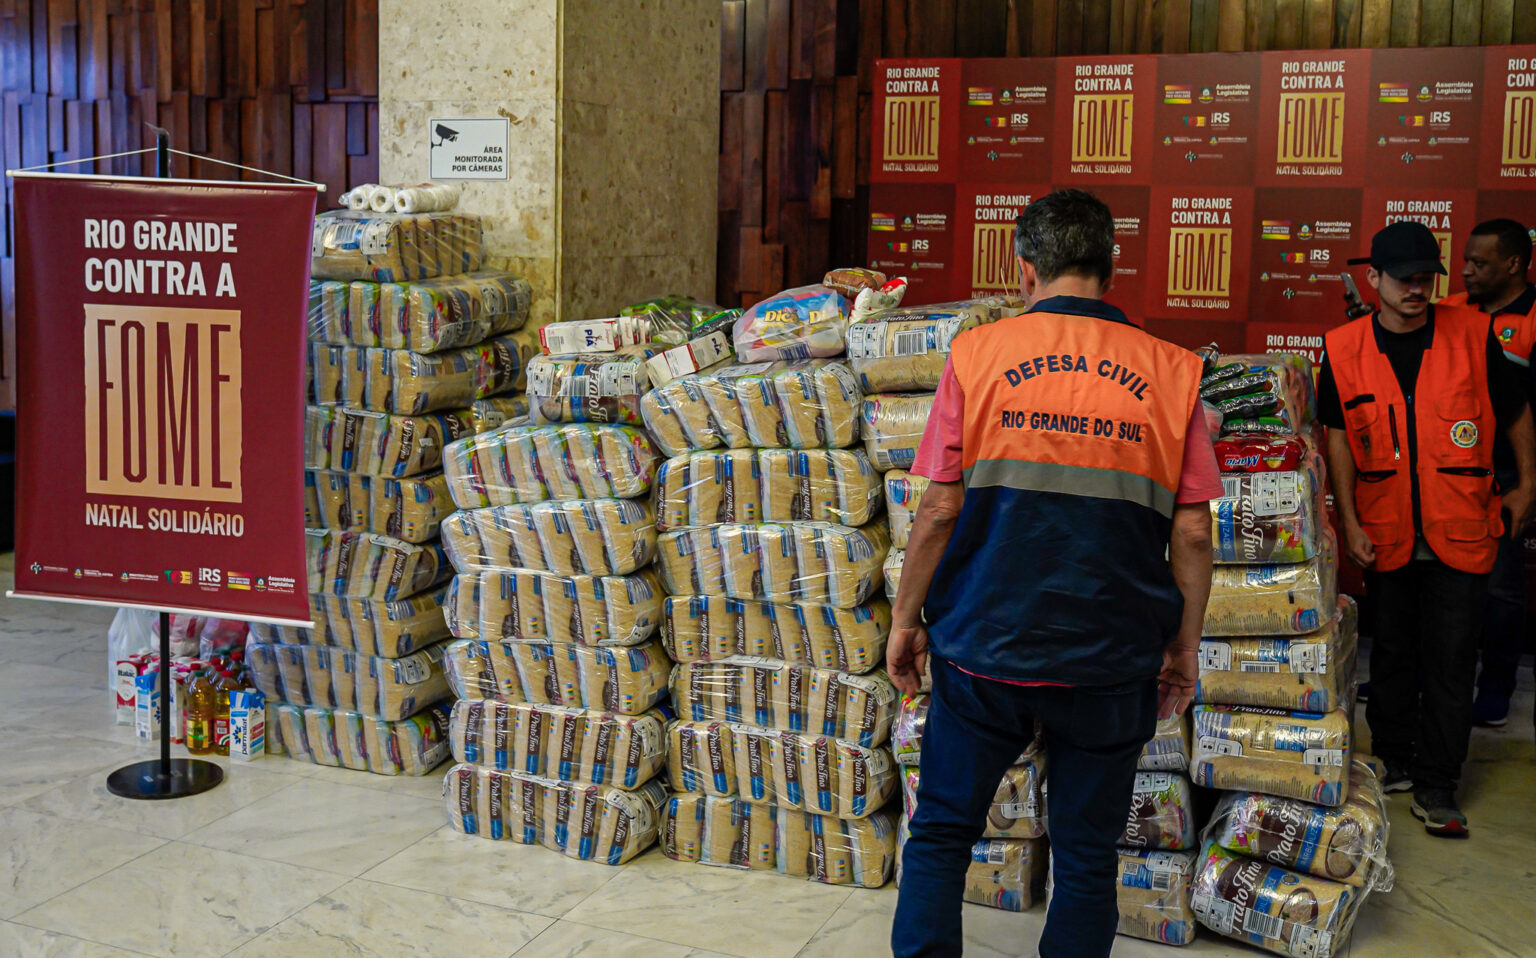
[(148, 780)]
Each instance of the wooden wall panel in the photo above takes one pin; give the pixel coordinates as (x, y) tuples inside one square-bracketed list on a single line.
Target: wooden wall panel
[(290, 86), (796, 77)]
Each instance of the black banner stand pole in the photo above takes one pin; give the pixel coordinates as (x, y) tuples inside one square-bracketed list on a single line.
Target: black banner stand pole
[(168, 777)]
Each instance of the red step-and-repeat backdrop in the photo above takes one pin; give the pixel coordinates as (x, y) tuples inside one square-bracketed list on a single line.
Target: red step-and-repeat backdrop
[(1240, 183)]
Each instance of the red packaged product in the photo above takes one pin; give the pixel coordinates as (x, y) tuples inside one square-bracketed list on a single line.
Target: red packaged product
[(1261, 453)]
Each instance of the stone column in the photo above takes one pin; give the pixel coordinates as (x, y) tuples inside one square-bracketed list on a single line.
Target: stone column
[(614, 110)]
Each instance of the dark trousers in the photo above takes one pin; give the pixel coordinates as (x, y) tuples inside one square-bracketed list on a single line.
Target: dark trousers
[(1423, 658), (976, 729), (1504, 622)]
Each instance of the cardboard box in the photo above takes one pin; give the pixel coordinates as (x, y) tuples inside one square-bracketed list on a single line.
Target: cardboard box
[(247, 725), (688, 358), (148, 707), (125, 677)]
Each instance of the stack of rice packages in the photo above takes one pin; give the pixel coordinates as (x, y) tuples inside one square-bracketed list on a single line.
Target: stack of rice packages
[(771, 539), (408, 350), (1299, 835)]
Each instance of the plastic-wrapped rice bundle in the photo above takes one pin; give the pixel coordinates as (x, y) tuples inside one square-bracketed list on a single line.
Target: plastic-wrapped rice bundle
[(704, 628), (373, 627), (904, 349), (1301, 755), (627, 681), (679, 416), (891, 569), (443, 314), (1153, 894), (816, 562), (774, 485), (1345, 844), (903, 494), (893, 428), (1162, 813), (1274, 599), (566, 537), (818, 404), (798, 323), (792, 698), (811, 773), (401, 381), (1170, 747), (394, 247), (372, 566), (329, 302), (1005, 873), (334, 678), (598, 823), (411, 509), (365, 743), (497, 411), (516, 464), (1018, 807), (1308, 673), (570, 745), (735, 834), (1279, 910), (524, 605), (589, 387), (379, 444)]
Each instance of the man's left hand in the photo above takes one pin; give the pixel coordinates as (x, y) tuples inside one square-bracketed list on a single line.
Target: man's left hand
[(1521, 502), (906, 657)]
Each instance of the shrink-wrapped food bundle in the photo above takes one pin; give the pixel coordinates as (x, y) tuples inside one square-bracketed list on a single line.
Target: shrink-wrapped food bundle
[(793, 698), (598, 823), (582, 745), (524, 463), (371, 626), (891, 570), (411, 509), (394, 247), (905, 349), (1308, 673), (680, 418), (1005, 873), (1268, 515), (525, 605), (379, 444), (627, 681), (589, 387), (815, 562), (773, 485), (1162, 813), (1154, 895), (1018, 807), (798, 323), (567, 537), (1274, 599), (1261, 393), (593, 335), (703, 628), (903, 494), (893, 428), (1279, 910), (371, 566), (675, 319), (387, 688), (497, 411), (1345, 844), (1302, 755)]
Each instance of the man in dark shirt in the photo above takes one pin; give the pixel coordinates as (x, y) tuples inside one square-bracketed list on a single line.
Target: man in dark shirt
[(1496, 259), (1418, 509)]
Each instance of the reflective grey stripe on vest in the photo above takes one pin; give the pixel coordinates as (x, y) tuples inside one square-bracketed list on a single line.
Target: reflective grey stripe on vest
[(1071, 480)]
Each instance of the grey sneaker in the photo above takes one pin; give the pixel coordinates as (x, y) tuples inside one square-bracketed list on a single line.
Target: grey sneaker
[(1397, 778), (1437, 809)]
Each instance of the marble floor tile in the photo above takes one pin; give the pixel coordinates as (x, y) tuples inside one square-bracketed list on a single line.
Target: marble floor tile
[(20, 941), (365, 919), (1448, 923), (1490, 854), (751, 914), (428, 786), (182, 900), (41, 856), (526, 878), (86, 799), (338, 828), (35, 761), (567, 939)]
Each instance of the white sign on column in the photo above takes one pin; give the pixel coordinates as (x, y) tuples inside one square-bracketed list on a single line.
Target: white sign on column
[(468, 149)]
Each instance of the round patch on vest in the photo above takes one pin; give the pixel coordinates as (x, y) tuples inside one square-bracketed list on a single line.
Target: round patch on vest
[(1464, 434), (1506, 334)]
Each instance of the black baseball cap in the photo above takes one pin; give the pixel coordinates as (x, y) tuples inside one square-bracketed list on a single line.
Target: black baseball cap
[(1402, 250)]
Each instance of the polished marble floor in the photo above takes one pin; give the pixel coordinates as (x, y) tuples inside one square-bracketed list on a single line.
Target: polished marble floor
[(293, 860)]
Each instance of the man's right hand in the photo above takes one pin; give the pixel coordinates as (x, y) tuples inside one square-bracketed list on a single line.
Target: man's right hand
[(1358, 545), (906, 657), (1176, 682)]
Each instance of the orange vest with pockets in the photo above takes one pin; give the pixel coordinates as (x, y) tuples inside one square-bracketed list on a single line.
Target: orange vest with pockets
[(1516, 333)]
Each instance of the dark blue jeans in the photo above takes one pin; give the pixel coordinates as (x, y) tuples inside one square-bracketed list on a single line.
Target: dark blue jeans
[(976, 728)]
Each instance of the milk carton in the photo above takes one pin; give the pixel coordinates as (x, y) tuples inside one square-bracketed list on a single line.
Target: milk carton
[(125, 674), (148, 706), (247, 725)]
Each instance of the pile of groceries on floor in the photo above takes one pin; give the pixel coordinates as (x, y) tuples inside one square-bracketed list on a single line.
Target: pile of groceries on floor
[(632, 576)]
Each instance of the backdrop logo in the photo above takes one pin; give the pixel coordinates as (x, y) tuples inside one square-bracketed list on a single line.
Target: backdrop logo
[(992, 261), (1200, 262), (1311, 128), (1101, 128), (912, 128), (1519, 140), (162, 402)]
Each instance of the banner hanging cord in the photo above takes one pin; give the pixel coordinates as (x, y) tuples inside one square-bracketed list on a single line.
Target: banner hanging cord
[(190, 156), (88, 159)]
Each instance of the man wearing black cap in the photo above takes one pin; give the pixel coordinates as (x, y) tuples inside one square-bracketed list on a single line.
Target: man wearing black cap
[(1413, 396)]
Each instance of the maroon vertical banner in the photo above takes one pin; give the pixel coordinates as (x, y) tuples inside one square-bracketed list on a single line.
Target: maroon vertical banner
[(1206, 119), (1103, 128), (912, 234), (1509, 119), (1007, 115), (1449, 213), (916, 113), (160, 331), (1312, 109), (1423, 121), (985, 264)]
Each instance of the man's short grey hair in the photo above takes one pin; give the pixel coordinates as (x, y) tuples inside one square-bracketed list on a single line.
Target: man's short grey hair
[(1067, 232)]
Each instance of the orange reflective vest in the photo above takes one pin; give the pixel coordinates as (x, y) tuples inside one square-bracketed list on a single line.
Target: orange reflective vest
[(1451, 451), (1073, 445), (1516, 333)]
